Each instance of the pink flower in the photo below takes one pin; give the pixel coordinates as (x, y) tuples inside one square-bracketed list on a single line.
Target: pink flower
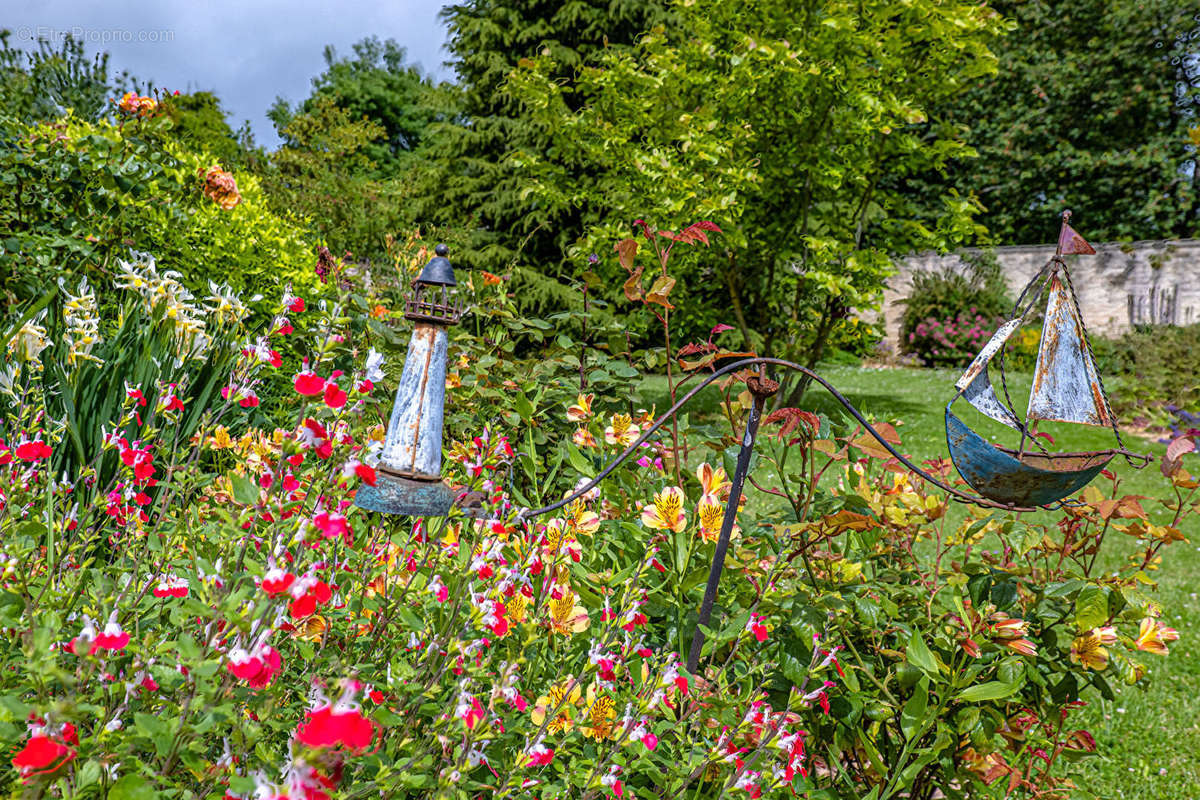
[(754, 625), (171, 586), (307, 382), (41, 755), (332, 728), (335, 398), (469, 710), (277, 581), (257, 669), (539, 755), (331, 525), (112, 637), (33, 451)]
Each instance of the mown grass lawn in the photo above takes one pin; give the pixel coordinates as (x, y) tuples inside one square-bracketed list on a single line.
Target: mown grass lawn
[(1150, 737)]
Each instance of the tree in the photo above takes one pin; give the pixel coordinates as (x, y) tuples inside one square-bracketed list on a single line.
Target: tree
[(1090, 110), (377, 85), (199, 121), (782, 123), (40, 85), (323, 174), (474, 184)]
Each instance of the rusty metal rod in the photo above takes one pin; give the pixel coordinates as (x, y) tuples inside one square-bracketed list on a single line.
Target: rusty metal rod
[(760, 361), (718, 562)]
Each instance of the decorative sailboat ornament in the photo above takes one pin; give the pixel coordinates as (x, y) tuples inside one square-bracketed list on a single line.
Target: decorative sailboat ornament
[(1066, 388)]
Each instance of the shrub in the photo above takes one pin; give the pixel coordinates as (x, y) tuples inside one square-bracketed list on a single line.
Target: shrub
[(79, 194), (949, 314), (1153, 362)]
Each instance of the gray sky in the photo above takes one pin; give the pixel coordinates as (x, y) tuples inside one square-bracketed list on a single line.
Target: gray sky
[(245, 52)]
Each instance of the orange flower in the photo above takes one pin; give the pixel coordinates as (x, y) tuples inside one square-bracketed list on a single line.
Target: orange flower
[(582, 410), (133, 103), (583, 438), (713, 481), (581, 520), (666, 512), (220, 187), (491, 280), (1089, 650), (1153, 636), (1012, 633)]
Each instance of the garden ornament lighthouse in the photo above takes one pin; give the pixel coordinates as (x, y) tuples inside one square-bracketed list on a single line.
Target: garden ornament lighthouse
[(409, 480)]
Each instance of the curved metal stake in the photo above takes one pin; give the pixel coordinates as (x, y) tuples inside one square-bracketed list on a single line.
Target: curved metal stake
[(718, 564)]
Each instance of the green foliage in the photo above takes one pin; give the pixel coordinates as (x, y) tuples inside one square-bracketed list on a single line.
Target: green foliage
[(377, 85), (782, 125), (1091, 112), (324, 176), (472, 183), (42, 84), (78, 195), (1156, 362), (951, 313), (907, 651), (199, 122)]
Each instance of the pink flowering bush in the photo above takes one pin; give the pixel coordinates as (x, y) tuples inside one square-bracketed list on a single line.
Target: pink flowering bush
[(204, 612), (951, 342)]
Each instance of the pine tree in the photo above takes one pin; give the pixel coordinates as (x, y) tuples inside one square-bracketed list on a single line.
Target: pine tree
[(474, 185), (1094, 108)]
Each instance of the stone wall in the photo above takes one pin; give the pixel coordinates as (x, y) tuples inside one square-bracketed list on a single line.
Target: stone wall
[(1123, 285)]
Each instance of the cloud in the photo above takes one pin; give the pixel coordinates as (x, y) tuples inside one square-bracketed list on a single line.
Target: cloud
[(247, 53)]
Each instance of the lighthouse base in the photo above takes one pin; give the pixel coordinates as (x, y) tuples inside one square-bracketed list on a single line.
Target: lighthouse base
[(393, 494)]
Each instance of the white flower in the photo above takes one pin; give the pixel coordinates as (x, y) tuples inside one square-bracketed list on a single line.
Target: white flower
[(374, 366)]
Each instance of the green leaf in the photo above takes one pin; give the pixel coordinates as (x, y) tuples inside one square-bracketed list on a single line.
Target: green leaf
[(992, 690), (912, 716), (523, 407), (920, 656), (131, 787), (1091, 608), (245, 491)]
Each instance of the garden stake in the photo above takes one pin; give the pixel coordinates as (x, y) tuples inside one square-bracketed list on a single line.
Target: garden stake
[(761, 388), (408, 479)]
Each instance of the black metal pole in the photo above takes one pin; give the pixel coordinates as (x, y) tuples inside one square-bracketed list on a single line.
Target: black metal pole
[(735, 495)]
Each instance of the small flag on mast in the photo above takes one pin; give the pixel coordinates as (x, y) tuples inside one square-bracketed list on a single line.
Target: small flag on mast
[(1070, 242)]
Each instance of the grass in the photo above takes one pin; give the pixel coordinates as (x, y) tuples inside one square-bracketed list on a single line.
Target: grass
[(1149, 738)]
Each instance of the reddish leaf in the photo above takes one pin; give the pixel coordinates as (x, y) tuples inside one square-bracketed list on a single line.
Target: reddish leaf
[(660, 290), (633, 286), (626, 250)]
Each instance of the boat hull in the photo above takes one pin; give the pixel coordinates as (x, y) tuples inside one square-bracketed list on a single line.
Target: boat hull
[(1033, 479)]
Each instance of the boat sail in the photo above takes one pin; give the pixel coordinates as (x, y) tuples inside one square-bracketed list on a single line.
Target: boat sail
[(1066, 388)]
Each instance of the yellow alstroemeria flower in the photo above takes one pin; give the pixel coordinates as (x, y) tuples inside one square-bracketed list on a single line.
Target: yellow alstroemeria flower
[(1153, 636), (517, 607), (601, 715), (581, 519), (220, 439), (621, 430), (311, 629), (666, 512), (582, 410), (713, 481), (560, 699), (567, 617), (560, 541), (1089, 650), (710, 513)]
